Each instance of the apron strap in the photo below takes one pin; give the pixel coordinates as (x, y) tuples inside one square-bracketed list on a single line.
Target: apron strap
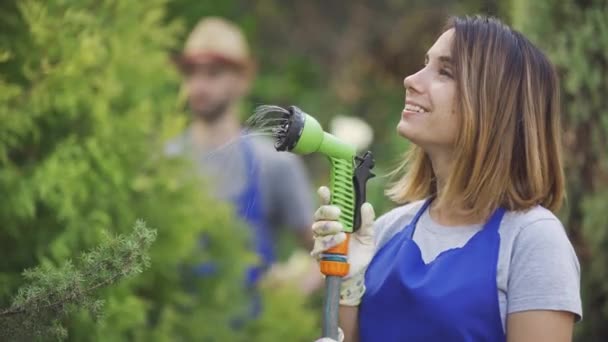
[(413, 223)]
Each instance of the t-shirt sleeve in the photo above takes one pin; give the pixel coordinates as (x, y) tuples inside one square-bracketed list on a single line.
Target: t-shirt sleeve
[(544, 273), (292, 193)]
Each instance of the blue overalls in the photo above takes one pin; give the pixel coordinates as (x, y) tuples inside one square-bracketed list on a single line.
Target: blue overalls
[(249, 208), (248, 205), (452, 298)]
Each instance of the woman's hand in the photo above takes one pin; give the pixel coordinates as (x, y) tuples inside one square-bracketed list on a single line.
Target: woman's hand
[(328, 232)]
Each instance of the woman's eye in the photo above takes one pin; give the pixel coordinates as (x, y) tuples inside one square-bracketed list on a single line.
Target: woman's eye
[(445, 72)]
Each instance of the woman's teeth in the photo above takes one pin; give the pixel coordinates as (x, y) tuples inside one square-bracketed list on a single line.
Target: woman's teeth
[(413, 108)]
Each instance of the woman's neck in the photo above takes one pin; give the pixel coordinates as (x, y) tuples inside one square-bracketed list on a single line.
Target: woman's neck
[(441, 163), (446, 214), (449, 216)]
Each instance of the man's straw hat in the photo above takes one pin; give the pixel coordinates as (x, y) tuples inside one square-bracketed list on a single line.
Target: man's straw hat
[(215, 40)]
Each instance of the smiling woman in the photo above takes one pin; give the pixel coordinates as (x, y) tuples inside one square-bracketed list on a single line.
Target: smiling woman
[(431, 90), (475, 251), (488, 99)]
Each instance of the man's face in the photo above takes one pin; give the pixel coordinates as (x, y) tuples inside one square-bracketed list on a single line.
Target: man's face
[(212, 88)]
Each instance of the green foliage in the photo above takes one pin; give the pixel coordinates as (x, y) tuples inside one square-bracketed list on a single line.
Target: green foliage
[(87, 97), (280, 322), (51, 293), (575, 35)]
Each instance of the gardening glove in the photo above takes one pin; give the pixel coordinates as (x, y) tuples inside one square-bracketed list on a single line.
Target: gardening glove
[(328, 233)]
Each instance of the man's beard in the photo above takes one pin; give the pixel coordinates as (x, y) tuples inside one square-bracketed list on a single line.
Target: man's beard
[(214, 112)]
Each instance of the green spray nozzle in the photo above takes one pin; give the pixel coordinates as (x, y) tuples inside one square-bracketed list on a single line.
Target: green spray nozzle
[(298, 132), (302, 134), (314, 139)]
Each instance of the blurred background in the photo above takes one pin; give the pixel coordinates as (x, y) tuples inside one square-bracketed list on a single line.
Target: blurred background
[(88, 97)]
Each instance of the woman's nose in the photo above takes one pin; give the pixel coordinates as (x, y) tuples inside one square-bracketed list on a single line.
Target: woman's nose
[(412, 82), (406, 81)]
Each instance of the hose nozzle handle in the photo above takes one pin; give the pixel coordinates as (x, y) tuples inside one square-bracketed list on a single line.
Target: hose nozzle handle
[(334, 262)]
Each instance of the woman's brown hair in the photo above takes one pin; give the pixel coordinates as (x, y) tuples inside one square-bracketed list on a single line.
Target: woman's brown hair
[(507, 152)]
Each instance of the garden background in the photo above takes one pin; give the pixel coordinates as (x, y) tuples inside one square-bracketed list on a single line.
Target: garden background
[(88, 96)]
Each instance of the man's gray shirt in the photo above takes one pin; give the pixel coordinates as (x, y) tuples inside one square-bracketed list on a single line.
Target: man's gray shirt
[(284, 185), (537, 266)]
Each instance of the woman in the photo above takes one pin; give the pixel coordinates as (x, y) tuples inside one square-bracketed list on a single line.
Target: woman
[(477, 253)]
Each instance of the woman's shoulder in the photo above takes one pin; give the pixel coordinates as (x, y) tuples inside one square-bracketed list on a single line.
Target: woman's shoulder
[(536, 233), (536, 223), (395, 220), (540, 269), (527, 216)]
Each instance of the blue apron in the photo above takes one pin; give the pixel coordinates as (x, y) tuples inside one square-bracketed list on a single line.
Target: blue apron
[(452, 298)]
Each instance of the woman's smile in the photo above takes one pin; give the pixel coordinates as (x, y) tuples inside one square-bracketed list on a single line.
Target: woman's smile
[(412, 108)]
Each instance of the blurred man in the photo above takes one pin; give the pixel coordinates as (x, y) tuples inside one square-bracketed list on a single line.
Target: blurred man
[(270, 190)]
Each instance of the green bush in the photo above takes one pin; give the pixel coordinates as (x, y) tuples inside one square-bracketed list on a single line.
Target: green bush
[(87, 97)]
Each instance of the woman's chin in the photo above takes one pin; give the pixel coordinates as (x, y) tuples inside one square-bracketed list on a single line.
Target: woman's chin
[(404, 130), (407, 132)]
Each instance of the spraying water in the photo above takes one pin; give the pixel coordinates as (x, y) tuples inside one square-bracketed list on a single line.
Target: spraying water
[(266, 121), (269, 120)]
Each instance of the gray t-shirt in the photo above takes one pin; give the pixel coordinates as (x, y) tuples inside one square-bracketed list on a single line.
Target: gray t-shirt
[(284, 185), (537, 266)]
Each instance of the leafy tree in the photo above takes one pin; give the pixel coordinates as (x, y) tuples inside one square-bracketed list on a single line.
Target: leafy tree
[(575, 35)]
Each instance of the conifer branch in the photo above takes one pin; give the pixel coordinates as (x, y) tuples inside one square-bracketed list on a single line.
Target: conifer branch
[(52, 293)]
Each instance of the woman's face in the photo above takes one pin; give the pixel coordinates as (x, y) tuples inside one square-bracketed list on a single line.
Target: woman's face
[(429, 119)]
